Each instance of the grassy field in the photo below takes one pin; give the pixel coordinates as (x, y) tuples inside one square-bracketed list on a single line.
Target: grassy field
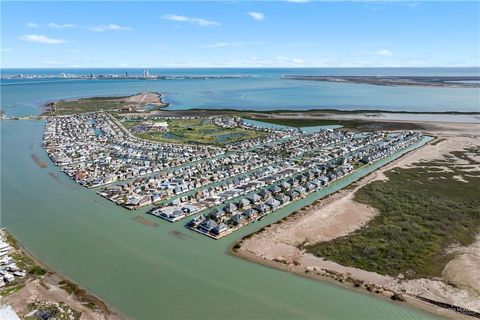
[(110, 104), (357, 125), (199, 131), (130, 123), (423, 211), (306, 122), (63, 107)]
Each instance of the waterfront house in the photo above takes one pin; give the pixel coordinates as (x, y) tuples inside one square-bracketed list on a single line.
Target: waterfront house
[(196, 221), (219, 229), (293, 194), (301, 190), (250, 213), (272, 203), (207, 225), (262, 208), (237, 219), (189, 209), (283, 199)]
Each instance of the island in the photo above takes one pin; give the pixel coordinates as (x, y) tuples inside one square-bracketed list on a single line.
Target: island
[(422, 81)]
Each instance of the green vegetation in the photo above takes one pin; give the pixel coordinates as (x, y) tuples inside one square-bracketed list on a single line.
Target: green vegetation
[(200, 131), (92, 104), (83, 296), (423, 211), (63, 107), (361, 125), (337, 111), (11, 288), (130, 123), (308, 122), (68, 286), (37, 270)]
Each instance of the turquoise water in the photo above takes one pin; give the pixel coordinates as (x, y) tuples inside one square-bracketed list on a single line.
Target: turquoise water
[(164, 272), (263, 91), (157, 272)]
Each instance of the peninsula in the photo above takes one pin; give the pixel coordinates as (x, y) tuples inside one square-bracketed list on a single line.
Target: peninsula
[(241, 173), (422, 81), (218, 171)]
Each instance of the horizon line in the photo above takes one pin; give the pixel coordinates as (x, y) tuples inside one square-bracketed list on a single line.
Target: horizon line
[(253, 67)]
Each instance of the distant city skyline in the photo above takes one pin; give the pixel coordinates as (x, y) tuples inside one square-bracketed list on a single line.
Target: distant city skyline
[(240, 34)]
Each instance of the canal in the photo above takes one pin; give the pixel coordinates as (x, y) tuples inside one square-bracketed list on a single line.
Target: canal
[(159, 272)]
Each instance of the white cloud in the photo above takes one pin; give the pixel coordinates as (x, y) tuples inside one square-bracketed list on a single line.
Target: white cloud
[(109, 27), (294, 61), (382, 52), (198, 21), (278, 61), (228, 44), (298, 1), (256, 15), (31, 25), (61, 26), (37, 38)]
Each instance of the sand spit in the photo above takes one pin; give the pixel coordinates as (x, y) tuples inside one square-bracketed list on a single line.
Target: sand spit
[(145, 221), (339, 214), (42, 164)]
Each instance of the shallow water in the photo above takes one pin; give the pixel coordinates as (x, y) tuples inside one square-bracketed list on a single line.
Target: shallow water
[(265, 91), (150, 272)]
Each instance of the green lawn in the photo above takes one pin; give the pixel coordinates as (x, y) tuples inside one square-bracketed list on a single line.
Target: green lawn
[(423, 211), (201, 131)]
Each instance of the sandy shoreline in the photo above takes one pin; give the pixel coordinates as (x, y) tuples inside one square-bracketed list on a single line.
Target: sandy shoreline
[(338, 214)]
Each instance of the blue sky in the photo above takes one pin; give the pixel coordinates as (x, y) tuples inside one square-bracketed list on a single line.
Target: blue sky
[(240, 34)]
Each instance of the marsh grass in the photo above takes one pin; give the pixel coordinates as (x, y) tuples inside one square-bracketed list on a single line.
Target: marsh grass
[(423, 212)]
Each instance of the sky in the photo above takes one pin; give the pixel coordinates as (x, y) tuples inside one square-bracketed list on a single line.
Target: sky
[(295, 33)]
